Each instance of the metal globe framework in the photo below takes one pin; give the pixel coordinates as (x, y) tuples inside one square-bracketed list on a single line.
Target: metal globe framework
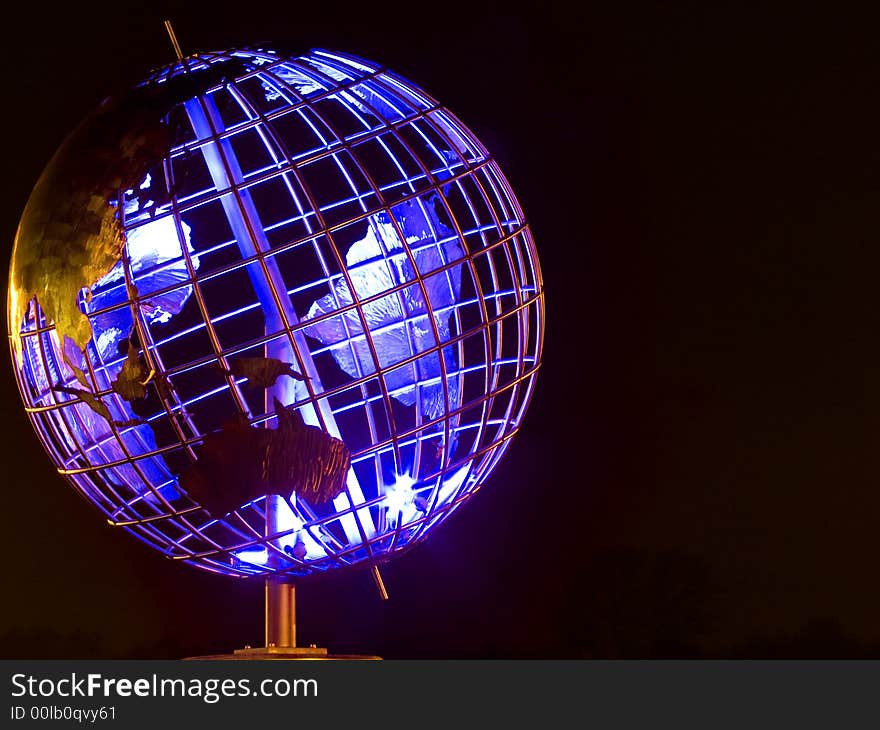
[(325, 212)]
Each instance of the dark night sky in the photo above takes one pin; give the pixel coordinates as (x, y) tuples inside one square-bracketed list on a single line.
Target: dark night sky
[(697, 473)]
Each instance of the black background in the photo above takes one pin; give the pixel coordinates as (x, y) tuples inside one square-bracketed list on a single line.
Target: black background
[(697, 473)]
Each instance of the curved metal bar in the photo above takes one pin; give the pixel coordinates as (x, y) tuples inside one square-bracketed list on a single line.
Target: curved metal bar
[(342, 142)]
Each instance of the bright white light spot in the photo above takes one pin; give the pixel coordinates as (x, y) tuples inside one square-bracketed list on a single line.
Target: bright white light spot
[(156, 242), (450, 485), (399, 500), (258, 557), (285, 519)]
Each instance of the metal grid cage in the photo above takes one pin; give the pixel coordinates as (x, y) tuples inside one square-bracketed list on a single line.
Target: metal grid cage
[(326, 212)]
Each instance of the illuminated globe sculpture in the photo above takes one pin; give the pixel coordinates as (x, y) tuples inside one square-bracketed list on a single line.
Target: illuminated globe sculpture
[(246, 250)]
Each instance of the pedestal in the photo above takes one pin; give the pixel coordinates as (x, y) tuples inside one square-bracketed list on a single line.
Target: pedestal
[(280, 641)]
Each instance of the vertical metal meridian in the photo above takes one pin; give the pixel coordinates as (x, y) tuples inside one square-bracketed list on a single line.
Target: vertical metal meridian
[(280, 614), (270, 288)]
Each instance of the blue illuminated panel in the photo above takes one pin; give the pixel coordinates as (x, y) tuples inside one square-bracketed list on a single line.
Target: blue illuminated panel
[(325, 212)]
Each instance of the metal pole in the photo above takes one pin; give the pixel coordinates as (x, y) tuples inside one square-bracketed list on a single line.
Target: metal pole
[(380, 584), (280, 614), (173, 38), (242, 216)]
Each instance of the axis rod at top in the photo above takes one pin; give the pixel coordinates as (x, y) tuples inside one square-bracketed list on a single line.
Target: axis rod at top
[(173, 37)]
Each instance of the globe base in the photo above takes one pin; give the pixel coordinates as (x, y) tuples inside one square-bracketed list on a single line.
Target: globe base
[(297, 652), (280, 616), (260, 653)]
